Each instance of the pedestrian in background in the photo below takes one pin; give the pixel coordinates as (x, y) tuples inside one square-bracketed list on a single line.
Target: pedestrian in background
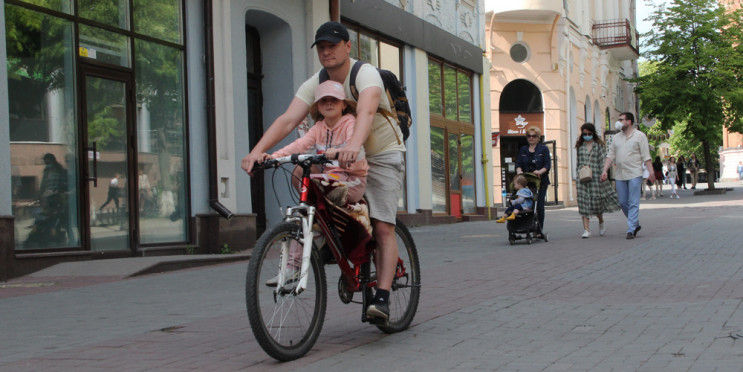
[(693, 165), (740, 171), (647, 183), (681, 165), (594, 196), (628, 150), (671, 175), (658, 173)]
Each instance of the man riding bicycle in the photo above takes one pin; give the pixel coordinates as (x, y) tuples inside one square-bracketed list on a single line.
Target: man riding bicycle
[(381, 142)]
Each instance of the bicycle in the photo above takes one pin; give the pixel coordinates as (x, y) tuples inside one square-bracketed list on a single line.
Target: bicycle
[(286, 293)]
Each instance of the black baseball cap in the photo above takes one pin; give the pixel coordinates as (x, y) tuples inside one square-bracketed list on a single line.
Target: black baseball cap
[(332, 32)]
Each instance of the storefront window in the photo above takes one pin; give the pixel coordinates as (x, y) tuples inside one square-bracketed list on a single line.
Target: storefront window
[(160, 19), (468, 173), (43, 131), (104, 46), (64, 6), (435, 105), (113, 13), (450, 104), (162, 132), (438, 170), (450, 93), (464, 82)]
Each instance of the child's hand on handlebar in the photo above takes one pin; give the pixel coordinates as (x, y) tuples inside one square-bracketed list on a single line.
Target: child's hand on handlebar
[(332, 153)]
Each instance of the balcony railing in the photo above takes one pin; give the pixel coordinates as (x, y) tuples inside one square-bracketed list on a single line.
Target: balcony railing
[(618, 35)]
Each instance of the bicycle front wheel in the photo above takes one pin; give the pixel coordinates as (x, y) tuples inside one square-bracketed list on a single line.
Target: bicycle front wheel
[(285, 323), (406, 287)]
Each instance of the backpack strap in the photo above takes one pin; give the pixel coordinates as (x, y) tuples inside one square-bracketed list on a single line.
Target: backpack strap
[(324, 76), (352, 84)]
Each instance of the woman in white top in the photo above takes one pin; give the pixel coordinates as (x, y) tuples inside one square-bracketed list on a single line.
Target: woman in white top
[(671, 175)]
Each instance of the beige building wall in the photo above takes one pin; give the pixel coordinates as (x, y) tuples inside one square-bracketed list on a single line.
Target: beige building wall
[(578, 81)]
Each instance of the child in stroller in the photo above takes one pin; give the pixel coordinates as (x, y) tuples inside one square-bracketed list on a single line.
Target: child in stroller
[(526, 221), (524, 200)]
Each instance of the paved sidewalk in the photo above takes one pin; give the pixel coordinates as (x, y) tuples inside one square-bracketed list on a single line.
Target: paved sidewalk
[(669, 300)]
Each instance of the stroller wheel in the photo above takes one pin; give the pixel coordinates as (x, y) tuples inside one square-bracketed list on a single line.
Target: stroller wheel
[(544, 236), (528, 238), (511, 240)]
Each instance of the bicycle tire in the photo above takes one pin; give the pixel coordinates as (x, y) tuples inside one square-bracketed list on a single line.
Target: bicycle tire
[(300, 317), (405, 292)]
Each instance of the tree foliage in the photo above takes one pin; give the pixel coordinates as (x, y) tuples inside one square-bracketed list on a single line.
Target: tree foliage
[(696, 72)]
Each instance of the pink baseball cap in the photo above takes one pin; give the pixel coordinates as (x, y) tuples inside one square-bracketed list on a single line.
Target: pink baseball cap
[(330, 89)]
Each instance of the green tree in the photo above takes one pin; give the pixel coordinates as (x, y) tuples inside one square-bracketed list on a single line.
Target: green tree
[(697, 68)]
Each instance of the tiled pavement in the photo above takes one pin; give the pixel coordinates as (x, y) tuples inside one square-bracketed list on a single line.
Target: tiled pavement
[(669, 300)]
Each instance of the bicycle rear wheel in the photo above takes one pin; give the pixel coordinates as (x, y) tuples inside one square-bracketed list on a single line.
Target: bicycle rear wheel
[(406, 289), (286, 324)]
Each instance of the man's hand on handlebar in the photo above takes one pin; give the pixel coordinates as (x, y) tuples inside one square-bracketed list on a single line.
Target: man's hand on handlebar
[(348, 155), (251, 159)]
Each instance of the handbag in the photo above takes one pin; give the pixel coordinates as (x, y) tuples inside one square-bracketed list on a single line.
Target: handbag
[(585, 174)]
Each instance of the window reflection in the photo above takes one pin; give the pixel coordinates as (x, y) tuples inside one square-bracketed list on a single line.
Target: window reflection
[(434, 88), (112, 12), (468, 173), (161, 130), (450, 92), (438, 170), (43, 134), (160, 19)]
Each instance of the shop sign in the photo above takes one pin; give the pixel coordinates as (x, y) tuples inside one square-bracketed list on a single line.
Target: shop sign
[(516, 124)]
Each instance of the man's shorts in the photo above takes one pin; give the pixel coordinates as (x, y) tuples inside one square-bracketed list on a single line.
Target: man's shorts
[(384, 184)]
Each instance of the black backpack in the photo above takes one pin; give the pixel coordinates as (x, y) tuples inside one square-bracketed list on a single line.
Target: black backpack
[(395, 94)]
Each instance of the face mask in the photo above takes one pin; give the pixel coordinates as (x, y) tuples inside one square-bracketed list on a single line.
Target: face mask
[(618, 125), (587, 138)]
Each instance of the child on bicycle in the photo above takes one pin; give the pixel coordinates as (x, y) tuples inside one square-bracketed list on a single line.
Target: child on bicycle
[(334, 125), (524, 200)]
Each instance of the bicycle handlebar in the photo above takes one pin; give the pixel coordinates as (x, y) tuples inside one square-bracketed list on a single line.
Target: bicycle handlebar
[(298, 159)]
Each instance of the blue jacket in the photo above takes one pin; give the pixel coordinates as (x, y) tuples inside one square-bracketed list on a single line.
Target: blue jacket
[(540, 158)]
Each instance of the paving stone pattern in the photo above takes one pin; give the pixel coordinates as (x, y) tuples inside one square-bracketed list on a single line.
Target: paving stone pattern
[(669, 300)]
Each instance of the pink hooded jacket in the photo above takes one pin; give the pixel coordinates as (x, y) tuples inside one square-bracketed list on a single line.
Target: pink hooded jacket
[(320, 137)]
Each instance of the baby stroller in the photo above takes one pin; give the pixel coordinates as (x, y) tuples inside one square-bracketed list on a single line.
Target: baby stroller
[(526, 225)]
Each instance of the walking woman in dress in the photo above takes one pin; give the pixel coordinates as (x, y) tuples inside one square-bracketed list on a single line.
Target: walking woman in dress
[(658, 169), (594, 197), (671, 174)]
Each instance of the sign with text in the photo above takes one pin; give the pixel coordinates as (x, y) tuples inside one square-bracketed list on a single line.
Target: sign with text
[(515, 124)]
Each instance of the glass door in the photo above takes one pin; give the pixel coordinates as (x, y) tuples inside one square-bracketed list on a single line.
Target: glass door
[(106, 118)]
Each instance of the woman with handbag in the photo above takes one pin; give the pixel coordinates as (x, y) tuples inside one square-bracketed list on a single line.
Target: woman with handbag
[(594, 197)]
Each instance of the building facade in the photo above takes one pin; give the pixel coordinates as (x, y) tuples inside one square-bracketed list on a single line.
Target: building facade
[(557, 65), (731, 152), (124, 124)]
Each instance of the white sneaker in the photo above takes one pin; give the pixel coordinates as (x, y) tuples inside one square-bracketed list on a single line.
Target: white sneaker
[(586, 234), (670, 196), (602, 229), (677, 196)]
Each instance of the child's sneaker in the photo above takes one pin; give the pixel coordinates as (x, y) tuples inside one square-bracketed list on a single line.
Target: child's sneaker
[(501, 220), (511, 217)]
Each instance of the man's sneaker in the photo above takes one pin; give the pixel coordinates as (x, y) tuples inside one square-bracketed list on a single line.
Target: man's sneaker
[(630, 235), (289, 276), (637, 229), (378, 312)]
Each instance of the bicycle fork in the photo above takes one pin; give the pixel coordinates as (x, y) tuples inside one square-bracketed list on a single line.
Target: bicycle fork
[(305, 215)]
